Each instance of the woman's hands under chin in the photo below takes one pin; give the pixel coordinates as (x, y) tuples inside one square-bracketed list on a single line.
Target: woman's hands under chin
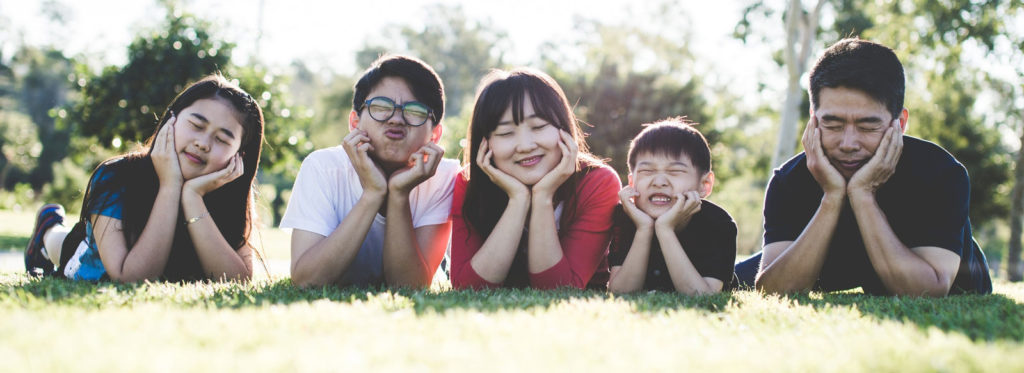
[(211, 181)]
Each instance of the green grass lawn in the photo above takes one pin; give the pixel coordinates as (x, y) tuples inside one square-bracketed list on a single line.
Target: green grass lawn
[(268, 325)]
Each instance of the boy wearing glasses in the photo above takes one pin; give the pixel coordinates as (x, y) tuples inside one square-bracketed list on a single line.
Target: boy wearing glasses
[(375, 209)]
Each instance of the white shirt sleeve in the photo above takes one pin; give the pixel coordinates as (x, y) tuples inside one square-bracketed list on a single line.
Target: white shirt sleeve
[(311, 206)]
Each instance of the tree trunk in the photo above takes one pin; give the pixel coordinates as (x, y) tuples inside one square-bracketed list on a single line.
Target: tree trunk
[(276, 206), (801, 30), (1013, 267)]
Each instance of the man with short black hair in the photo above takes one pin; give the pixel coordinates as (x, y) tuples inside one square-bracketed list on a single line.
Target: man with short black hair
[(375, 209), (865, 205)]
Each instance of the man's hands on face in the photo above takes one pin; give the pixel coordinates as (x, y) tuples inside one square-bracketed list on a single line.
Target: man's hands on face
[(371, 176), (827, 176), (881, 166), (422, 165)]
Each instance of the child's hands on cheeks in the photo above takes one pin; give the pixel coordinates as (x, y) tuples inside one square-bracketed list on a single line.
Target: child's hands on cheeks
[(679, 215), (640, 218)]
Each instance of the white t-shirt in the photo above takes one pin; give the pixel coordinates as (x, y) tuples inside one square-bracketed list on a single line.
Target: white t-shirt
[(327, 188)]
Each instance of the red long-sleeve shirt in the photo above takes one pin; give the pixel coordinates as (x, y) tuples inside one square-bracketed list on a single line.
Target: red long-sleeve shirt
[(584, 243)]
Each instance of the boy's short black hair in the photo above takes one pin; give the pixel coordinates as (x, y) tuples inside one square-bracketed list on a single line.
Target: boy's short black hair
[(426, 86), (672, 137), (862, 65)]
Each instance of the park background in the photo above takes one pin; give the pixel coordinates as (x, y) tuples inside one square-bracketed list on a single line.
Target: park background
[(83, 81)]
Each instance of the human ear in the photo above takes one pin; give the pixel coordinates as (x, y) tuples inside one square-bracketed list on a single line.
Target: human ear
[(353, 120), (904, 120), (435, 136), (707, 183), (629, 179)]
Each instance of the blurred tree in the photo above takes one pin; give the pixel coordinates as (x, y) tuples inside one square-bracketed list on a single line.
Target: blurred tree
[(19, 147), (48, 82), (801, 29), (615, 92), (121, 105), (7, 107), (123, 102), (286, 131)]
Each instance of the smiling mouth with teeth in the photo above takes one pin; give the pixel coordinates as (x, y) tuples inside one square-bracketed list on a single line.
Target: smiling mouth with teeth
[(660, 199), (529, 161)]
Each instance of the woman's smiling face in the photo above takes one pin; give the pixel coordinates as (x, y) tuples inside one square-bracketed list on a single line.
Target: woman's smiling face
[(526, 150), (206, 134)]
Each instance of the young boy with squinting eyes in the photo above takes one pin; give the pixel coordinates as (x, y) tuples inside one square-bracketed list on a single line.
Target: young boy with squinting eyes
[(666, 236)]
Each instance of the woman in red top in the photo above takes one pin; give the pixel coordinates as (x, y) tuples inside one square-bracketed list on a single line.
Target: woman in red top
[(533, 207)]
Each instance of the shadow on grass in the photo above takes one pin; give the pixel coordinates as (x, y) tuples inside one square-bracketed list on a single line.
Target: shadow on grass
[(979, 317), (13, 243), (19, 290)]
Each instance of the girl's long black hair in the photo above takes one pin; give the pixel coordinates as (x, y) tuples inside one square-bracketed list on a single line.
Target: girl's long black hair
[(485, 201), (133, 176)]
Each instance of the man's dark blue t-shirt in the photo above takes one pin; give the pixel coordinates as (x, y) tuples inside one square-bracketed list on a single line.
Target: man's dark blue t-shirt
[(925, 201)]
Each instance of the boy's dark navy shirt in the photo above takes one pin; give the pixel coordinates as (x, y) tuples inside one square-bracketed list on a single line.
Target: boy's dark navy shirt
[(709, 240), (925, 202)]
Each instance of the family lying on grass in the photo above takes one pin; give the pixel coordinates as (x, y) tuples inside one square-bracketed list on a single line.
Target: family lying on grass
[(863, 206)]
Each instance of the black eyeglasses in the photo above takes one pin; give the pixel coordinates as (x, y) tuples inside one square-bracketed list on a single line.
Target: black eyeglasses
[(414, 113)]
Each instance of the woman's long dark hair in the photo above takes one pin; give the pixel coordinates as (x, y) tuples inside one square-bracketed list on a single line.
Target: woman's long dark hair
[(484, 201), (231, 206)]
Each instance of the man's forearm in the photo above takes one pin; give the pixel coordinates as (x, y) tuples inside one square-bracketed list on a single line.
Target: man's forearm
[(798, 266), (404, 264), (901, 270)]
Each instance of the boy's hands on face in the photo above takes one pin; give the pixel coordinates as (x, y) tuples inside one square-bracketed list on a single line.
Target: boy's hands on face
[(640, 218), (165, 156), (371, 177), (512, 186), (830, 180), (422, 165), (679, 215), (882, 165)]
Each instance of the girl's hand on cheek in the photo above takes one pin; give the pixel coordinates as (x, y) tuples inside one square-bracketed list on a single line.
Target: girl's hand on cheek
[(164, 155), (211, 181)]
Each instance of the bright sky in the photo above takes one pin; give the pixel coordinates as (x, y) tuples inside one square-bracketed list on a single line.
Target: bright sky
[(326, 34)]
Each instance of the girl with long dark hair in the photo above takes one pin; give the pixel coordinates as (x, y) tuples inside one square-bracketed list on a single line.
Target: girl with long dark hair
[(181, 208), (533, 207)]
